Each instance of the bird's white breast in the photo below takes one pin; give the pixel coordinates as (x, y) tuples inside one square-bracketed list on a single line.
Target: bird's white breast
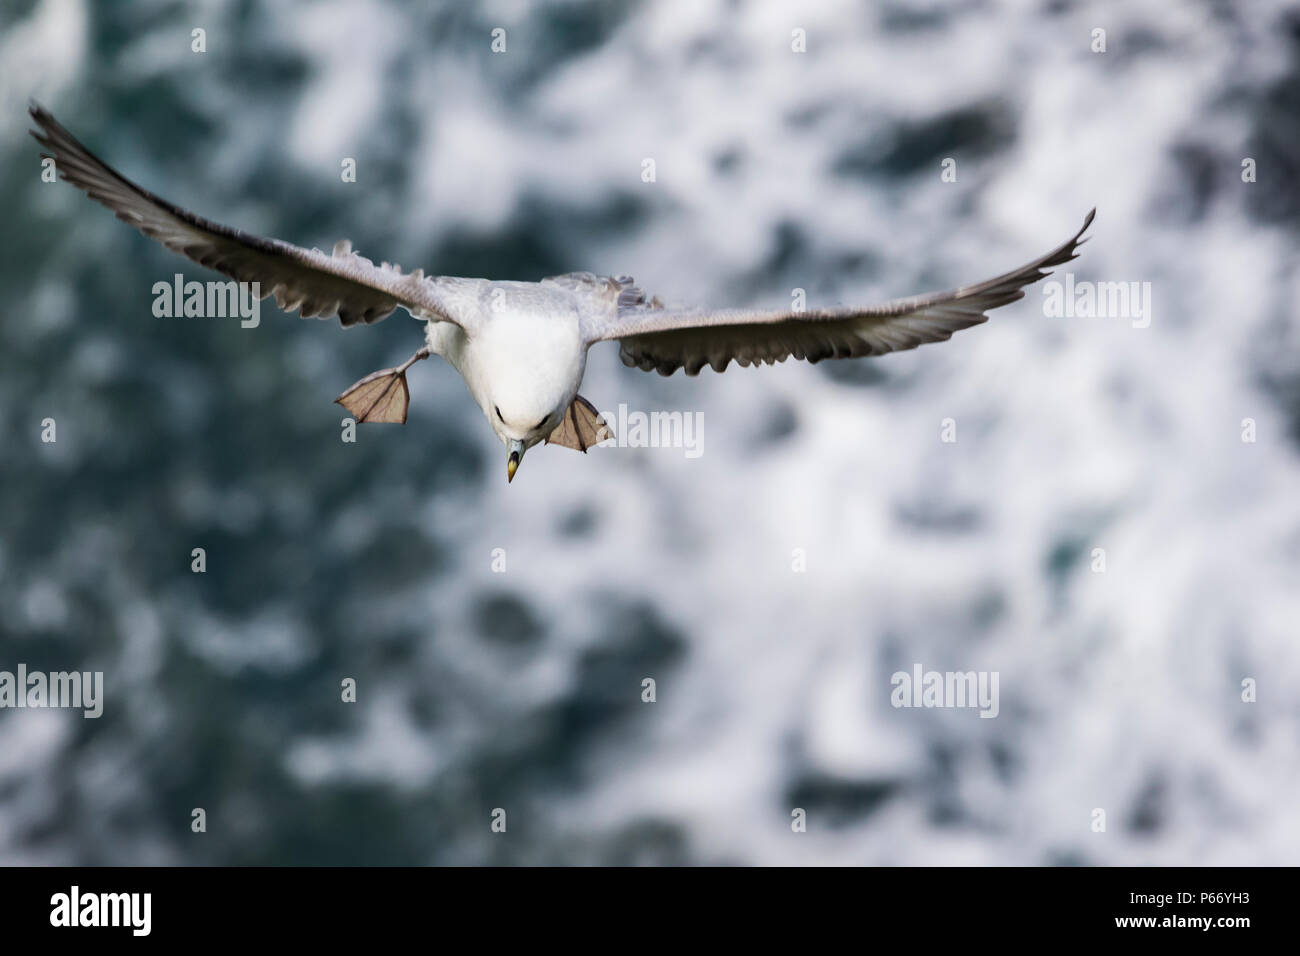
[(526, 350)]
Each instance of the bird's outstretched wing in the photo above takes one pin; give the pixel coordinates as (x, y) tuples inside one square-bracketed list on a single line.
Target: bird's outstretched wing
[(665, 340), (307, 280)]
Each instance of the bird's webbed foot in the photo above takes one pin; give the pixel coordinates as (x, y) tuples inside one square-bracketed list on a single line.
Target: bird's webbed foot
[(581, 427), (381, 396)]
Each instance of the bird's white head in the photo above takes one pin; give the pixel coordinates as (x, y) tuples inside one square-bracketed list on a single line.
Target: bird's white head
[(526, 397), (522, 420)]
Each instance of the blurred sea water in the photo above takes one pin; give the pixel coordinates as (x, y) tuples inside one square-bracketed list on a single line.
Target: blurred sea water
[(522, 690)]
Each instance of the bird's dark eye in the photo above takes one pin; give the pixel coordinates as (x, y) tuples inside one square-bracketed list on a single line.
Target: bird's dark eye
[(498, 411), (541, 423)]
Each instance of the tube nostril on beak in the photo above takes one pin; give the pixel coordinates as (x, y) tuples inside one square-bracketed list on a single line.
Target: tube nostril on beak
[(517, 450)]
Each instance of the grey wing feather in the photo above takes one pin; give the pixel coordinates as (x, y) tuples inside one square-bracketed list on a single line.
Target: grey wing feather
[(662, 340), (606, 295), (307, 280)]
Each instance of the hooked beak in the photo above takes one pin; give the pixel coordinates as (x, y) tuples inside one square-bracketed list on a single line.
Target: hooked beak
[(516, 449)]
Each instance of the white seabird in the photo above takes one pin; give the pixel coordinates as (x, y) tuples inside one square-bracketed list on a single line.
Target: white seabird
[(521, 347)]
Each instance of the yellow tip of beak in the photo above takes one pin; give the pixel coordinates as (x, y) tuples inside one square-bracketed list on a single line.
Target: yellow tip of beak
[(511, 467)]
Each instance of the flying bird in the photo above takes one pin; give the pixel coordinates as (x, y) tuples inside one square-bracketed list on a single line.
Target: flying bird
[(521, 347)]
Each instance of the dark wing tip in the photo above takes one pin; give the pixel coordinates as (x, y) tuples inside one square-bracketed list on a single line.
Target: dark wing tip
[(44, 119), (52, 134)]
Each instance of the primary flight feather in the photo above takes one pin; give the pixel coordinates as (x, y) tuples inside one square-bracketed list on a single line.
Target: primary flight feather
[(521, 347)]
